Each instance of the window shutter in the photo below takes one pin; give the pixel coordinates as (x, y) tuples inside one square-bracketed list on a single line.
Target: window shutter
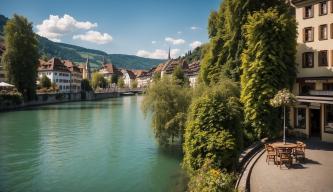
[(312, 33), (304, 38), (303, 60)]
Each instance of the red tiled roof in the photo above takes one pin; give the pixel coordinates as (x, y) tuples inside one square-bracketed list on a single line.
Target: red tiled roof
[(53, 64), (110, 68), (71, 66)]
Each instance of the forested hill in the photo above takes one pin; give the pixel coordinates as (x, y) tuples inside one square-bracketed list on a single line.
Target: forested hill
[(79, 54)]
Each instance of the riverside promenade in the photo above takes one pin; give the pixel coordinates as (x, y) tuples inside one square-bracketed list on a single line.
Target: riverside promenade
[(315, 174)]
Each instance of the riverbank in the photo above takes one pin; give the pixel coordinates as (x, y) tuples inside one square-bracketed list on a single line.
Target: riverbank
[(58, 98)]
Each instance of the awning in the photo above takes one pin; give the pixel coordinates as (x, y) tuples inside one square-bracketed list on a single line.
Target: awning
[(3, 84), (313, 99)]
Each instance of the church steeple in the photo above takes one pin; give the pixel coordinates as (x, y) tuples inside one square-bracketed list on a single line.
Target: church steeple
[(88, 71), (169, 56)]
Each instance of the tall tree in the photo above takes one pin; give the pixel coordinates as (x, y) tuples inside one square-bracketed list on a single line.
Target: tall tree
[(227, 37), (168, 102), (98, 81), (20, 58), (268, 65)]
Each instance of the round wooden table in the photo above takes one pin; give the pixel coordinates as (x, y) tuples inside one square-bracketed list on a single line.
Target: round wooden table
[(284, 145)]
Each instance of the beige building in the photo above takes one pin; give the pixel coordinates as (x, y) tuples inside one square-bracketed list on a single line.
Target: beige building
[(313, 115)]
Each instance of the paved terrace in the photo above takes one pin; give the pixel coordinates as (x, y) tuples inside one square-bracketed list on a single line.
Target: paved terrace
[(314, 174)]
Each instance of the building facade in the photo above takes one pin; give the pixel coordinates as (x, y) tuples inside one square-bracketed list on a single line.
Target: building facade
[(57, 72), (128, 76), (313, 115), (76, 76)]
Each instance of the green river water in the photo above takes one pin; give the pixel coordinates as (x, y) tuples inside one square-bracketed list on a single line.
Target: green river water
[(94, 146)]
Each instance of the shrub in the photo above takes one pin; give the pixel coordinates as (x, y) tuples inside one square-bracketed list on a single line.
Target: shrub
[(209, 179), (12, 97), (213, 128)]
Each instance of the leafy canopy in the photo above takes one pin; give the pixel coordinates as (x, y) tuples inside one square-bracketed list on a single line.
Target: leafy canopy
[(168, 103), (268, 66), (20, 59), (213, 128)]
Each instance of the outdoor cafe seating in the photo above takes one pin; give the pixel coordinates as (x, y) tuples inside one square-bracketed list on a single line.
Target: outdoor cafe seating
[(284, 153)]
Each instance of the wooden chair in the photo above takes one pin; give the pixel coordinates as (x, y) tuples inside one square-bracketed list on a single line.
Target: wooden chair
[(299, 151), (271, 153), (285, 156)]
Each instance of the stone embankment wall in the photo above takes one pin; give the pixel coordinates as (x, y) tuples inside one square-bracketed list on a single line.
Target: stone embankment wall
[(46, 99)]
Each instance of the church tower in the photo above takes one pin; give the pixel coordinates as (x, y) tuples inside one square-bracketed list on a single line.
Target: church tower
[(88, 71), (169, 56)]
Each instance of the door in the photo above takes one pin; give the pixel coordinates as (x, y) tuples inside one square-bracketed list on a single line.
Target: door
[(315, 123)]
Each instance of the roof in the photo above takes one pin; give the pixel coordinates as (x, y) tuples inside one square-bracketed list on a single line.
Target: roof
[(193, 68), (137, 73), (110, 69), (53, 64), (303, 2), (71, 66), (159, 68), (170, 65)]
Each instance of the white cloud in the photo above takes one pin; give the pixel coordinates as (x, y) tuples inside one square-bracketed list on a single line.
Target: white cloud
[(174, 41), (55, 27), (94, 37), (194, 28), (158, 53), (153, 42), (195, 44), (179, 32)]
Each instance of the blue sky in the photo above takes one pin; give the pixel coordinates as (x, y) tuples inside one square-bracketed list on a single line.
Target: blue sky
[(138, 27)]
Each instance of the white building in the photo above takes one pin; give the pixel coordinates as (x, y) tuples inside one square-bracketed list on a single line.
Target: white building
[(313, 115), (57, 72), (128, 76)]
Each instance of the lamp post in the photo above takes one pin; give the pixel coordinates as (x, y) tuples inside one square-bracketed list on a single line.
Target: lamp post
[(284, 124)]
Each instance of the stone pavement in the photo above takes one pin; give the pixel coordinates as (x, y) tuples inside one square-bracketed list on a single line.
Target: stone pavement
[(315, 174)]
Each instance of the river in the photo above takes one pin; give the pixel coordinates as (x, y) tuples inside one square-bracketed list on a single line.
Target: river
[(99, 146)]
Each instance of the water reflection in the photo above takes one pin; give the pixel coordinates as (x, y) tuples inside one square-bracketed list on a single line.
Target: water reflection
[(106, 145)]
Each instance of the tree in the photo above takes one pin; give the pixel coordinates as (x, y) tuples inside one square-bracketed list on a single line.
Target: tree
[(268, 65), (20, 59), (45, 82), (134, 84), (98, 80), (114, 79), (227, 39), (85, 85), (213, 130), (121, 83), (168, 102), (179, 76)]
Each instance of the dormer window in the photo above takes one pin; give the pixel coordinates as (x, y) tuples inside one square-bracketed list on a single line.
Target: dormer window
[(308, 12), (323, 8)]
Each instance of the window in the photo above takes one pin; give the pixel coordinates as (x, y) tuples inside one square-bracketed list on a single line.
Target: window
[(332, 29), (308, 34), (300, 116), (323, 8), (331, 6), (308, 60), (308, 12), (323, 32), (305, 88), (322, 58), (328, 118), (327, 86)]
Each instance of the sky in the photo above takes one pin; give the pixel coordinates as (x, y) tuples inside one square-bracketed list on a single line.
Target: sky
[(144, 28)]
